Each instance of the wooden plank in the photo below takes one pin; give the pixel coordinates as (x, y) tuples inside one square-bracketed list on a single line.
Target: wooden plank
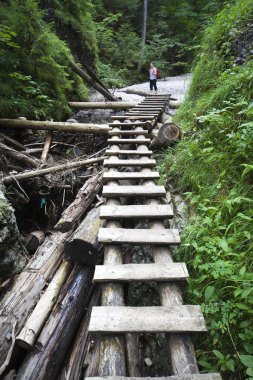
[(136, 212), (127, 132), (140, 272), (128, 141), (130, 175), (122, 319), (138, 236), (131, 124), (133, 191), (130, 162), (202, 376), (128, 152), (125, 117)]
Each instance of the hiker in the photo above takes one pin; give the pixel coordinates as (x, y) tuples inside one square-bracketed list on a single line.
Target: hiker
[(152, 77)]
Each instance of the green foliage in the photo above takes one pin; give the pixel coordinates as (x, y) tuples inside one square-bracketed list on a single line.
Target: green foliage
[(214, 168), (35, 78)]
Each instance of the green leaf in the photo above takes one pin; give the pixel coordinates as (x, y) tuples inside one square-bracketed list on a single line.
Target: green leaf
[(218, 354), (224, 245), (209, 292), (250, 372), (247, 360)]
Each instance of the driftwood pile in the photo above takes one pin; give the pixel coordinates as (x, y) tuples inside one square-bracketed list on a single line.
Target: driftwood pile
[(52, 298)]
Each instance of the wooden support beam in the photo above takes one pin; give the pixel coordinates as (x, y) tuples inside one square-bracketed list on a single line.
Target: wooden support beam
[(55, 126), (102, 105), (121, 117)]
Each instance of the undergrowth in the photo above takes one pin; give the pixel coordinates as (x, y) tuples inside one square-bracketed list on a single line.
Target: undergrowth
[(214, 169)]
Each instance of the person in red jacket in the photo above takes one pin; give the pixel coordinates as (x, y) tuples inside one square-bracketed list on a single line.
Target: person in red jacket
[(152, 77)]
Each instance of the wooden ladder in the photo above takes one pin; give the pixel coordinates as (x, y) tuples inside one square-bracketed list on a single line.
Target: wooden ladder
[(113, 318)]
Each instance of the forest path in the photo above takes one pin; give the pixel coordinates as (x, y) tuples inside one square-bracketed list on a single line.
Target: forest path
[(177, 86)]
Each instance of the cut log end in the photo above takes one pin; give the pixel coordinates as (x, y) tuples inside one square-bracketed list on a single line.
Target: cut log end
[(83, 252)]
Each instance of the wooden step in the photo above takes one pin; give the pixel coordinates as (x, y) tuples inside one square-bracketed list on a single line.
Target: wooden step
[(128, 141), (141, 272), (136, 212), (130, 175), (153, 319), (109, 163), (121, 117), (133, 191), (200, 376), (128, 132), (130, 125), (138, 236), (128, 152)]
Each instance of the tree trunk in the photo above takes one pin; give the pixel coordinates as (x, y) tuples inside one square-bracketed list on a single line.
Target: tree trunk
[(48, 141), (55, 126), (91, 82), (144, 34), (53, 169), (83, 245), (35, 322), (83, 199), (18, 156), (103, 105), (74, 363), (166, 135), (45, 361), (15, 144)]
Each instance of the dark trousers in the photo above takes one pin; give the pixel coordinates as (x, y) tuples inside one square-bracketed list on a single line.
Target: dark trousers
[(153, 84)]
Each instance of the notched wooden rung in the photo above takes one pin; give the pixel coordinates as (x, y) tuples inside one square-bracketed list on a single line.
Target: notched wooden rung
[(126, 319), (138, 236), (141, 272)]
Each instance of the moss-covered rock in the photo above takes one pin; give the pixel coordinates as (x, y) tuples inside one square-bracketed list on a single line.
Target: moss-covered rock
[(11, 260)]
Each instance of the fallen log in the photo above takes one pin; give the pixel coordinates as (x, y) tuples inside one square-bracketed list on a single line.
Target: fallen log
[(74, 363), (103, 105), (53, 169), (83, 245), (55, 126), (175, 104), (83, 199), (93, 76), (19, 156), (34, 240), (144, 93), (91, 82), (15, 144), (48, 141), (35, 322), (25, 293), (53, 342), (166, 135)]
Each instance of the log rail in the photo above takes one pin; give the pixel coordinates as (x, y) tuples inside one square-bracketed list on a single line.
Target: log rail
[(114, 327), (117, 324)]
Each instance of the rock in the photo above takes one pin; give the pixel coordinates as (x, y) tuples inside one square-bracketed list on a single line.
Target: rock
[(11, 261), (148, 362)]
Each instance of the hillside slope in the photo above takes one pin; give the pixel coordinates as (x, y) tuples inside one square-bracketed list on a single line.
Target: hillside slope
[(214, 168)]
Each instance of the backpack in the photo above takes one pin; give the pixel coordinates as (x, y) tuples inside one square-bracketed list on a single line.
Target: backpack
[(157, 73)]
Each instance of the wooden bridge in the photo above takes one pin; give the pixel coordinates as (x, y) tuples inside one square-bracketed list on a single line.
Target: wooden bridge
[(130, 174), (45, 325)]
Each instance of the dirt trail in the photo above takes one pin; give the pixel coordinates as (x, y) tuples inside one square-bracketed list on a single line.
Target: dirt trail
[(177, 86)]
